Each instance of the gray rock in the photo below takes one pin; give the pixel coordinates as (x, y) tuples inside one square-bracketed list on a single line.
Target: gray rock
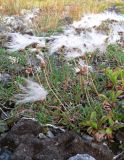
[(82, 157), (42, 136), (14, 23), (87, 138), (26, 145), (5, 154), (5, 79), (50, 134), (29, 32)]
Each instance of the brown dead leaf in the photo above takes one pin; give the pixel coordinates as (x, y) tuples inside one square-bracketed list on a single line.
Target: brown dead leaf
[(99, 136), (29, 70), (107, 106)]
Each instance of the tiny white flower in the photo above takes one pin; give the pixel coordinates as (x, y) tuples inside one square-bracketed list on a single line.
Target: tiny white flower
[(13, 60)]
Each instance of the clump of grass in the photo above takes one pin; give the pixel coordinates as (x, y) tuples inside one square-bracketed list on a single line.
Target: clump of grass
[(11, 62), (15, 6), (116, 53), (7, 93)]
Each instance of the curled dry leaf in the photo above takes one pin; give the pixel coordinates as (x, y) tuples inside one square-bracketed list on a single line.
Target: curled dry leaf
[(107, 106)]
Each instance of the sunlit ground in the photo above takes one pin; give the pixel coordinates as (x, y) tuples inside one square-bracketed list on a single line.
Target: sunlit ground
[(54, 10)]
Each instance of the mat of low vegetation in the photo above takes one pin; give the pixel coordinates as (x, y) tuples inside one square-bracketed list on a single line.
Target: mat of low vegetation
[(91, 101)]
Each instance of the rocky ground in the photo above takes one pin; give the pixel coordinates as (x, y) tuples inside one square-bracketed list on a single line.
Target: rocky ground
[(29, 140)]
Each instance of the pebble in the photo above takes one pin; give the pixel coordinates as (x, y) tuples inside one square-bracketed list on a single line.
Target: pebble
[(87, 138), (82, 157), (50, 134), (42, 136)]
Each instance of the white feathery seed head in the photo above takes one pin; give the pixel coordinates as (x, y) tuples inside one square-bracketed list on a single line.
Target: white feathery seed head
[(89, 34), (20, 42), (32, 92)]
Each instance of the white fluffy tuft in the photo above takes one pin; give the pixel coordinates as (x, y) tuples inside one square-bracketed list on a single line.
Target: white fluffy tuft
[(84, 36), (32, 92), (20, 42)]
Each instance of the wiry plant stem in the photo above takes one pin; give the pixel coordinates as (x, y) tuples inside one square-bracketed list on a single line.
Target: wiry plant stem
[(53, 90), (91, 78)]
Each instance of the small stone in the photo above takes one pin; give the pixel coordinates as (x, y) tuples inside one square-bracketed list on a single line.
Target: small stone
[(29, 32), (50, 134), (42, 136), (82, 157), (87, 138)]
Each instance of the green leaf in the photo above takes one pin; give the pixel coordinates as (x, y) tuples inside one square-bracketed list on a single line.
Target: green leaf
[(103, 96), (102, 121), (111, 122), (94, 125), (93, 116), (108, 131)]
